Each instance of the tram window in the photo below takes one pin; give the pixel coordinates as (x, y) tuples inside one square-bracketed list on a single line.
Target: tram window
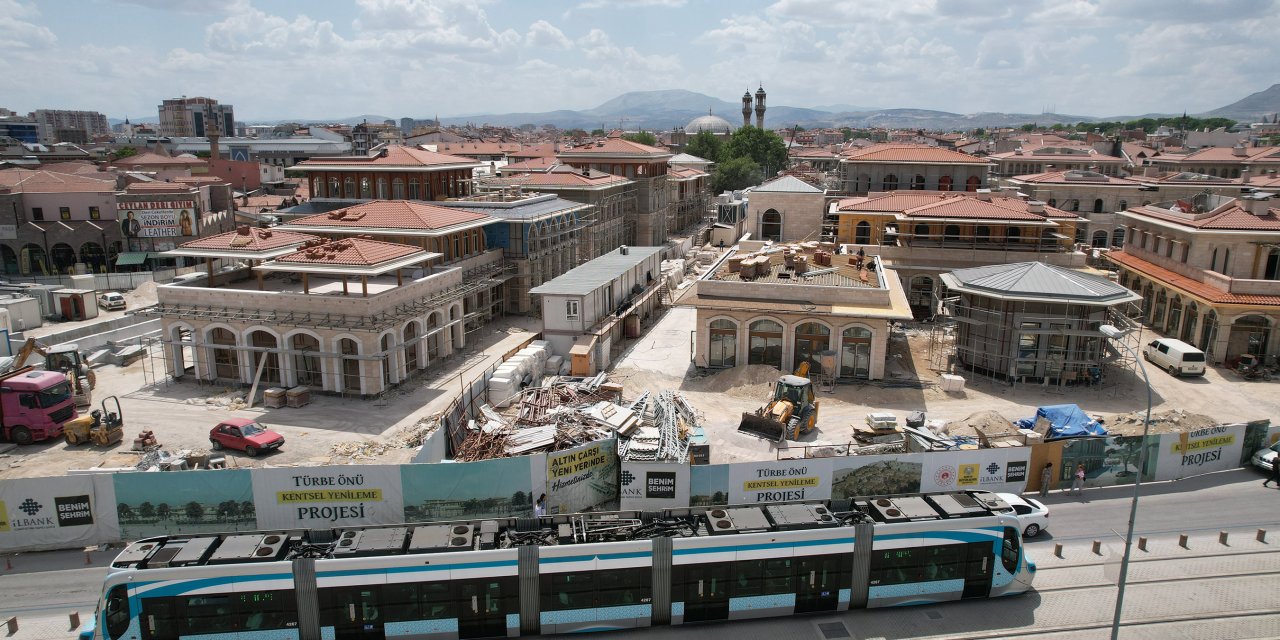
[(621, 587), (209, 614), (777, 576), (562, 591), (437, 600), (117, 610), (748, 578), (1010, 548), (266, 610), (400, 602), (160, 619), (349, 605), (919, 564)]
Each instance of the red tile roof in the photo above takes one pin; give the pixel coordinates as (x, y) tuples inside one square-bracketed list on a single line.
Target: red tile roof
[(40, 181), (255, 240), (902, 152), (685, 173), (542, 163), (359, 252), (1227, 154), (1060, 177), (940, 204), (391, 214), (200, 180), (1231, 218), (78, 168), (396, 157), (1192, 287), (614, 147), (1055, 152), (158, 187)]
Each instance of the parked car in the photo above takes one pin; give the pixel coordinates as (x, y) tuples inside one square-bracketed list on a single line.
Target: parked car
[(1266, 457), (1032, 515), (243, 434), (1175, 356), (111, 301)]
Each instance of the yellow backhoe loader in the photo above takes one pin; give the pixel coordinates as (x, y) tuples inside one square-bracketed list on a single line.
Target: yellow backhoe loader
[(791, 412)]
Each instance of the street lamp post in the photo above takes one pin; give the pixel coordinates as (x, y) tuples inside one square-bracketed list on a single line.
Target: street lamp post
[(1114, 333)]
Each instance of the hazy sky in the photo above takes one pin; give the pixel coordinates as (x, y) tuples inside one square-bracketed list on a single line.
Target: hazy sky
[(338, 58)]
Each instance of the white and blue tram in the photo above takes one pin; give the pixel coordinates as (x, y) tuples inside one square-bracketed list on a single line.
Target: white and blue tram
[(557, 574)]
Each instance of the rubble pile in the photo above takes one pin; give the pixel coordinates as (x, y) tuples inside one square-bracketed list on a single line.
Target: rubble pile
[(565, 412), (1172, 421)]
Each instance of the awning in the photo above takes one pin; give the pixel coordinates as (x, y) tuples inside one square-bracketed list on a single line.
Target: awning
[(131, 257)]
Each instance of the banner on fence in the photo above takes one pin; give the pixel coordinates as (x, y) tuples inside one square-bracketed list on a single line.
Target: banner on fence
[(1202, 451), (56, 513), (856, 476), (1002, 469), (653, 485), (464, 490), (187, 502), (323, 497), (780, 480), (582, 478)]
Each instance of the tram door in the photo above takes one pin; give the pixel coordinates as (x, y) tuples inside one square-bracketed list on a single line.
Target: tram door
[(816, 586), (706, 592), (481, 613), (977, 569), (356, 612)]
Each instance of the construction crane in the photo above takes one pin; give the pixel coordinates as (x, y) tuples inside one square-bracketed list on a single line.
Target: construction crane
[(63, 357)]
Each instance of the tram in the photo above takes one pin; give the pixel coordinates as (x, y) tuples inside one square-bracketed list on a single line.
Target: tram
[(565, 573)]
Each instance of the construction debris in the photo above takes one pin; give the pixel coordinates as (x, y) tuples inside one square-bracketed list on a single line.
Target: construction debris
[(565, 412)]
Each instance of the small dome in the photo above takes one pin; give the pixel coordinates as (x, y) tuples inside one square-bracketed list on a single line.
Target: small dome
[(714, 124)]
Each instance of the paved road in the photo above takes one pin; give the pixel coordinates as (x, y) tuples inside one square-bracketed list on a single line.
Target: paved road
[(1208, 591)]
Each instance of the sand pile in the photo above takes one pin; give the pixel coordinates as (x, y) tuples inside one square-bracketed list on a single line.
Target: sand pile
[(737, 378), (1172, 421), (989, 421), (143, 296)]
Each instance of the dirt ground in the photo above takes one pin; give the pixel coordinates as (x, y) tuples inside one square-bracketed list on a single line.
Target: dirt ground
[(661, 359)]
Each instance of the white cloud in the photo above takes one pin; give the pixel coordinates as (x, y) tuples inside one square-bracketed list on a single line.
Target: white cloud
[(16, 33), (631, 4), (545, 34)]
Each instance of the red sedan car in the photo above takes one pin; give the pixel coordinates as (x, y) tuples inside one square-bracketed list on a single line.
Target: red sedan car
[(244, 435)]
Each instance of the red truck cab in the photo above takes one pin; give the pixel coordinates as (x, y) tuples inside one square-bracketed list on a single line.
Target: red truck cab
[(34, 405)]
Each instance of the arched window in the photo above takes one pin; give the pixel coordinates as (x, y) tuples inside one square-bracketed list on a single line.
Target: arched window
[(32, 260), (920, 292), (1175, 316), (388, 361), (94, 256), (397, 189), (306, 359), (63, 257), (1191, 316), (862, 233), (317, 188), (918, 183), (1075, 205), (1271, 270), (1123, 205), (433, 336), (382, 188), (812, 338), (764, 344), (855, 353), (1013, 234), (864, 182), (1157, 311), (951, 233), (350, 365), (972, 183), (771, 226), (349, 188), (982, 233), (366, 190), (1097, 205), (413, 189), (1099, 239), (335, 188), (225, 364), (410, 335), (890, 182), (10, 260), (1117, 237), (921, 232), (723, 350), (944, 183)]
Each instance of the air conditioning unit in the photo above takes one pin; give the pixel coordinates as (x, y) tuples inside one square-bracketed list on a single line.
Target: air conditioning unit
[(461, 536), (720, 522), (270, 546)]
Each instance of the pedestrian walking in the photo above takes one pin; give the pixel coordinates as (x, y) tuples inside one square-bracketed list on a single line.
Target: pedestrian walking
[(1077, 483), (1275, 473), (1046, 477), (540, 507)]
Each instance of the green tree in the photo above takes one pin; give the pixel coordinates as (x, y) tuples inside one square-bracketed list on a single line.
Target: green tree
[(735, 173), (847, 133), (123, 152), (979, 132), (146, 511), (765, 148), (164, 511), (599, 133), (194, 511), (247, 509), (705, 145), (228, 510), (642, 137), (1028, 127), (519, 499), (124, 511)]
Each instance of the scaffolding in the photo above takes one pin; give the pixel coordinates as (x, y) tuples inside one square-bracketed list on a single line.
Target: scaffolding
[(1021, 342)]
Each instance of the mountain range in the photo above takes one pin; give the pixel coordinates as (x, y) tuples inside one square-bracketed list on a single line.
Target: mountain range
[(667, 109)]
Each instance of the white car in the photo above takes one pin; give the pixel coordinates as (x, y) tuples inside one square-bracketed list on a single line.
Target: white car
[(1266, 458), (1032, 515), (111, 301)]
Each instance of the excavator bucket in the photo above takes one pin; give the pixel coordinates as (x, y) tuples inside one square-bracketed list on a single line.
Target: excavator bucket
[(762, 427)]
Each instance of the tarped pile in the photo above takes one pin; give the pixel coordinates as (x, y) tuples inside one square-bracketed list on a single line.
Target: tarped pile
[(1064, 421)]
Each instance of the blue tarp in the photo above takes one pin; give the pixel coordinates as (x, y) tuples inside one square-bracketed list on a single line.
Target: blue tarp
[(1066, 421)]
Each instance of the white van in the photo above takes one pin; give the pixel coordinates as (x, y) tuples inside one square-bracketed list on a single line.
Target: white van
[(1175, 356)]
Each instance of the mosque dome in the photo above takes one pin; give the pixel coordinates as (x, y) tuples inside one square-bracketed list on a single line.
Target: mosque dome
[(714, 124)]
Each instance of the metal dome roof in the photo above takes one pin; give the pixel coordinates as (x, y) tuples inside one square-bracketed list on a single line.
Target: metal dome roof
[(714, 124), (1040, 282)]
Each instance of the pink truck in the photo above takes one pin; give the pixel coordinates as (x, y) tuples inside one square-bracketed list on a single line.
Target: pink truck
[(34, 405)]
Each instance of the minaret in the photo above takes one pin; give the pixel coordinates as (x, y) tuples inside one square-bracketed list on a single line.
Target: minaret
[(760, 107), (746, 109)]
